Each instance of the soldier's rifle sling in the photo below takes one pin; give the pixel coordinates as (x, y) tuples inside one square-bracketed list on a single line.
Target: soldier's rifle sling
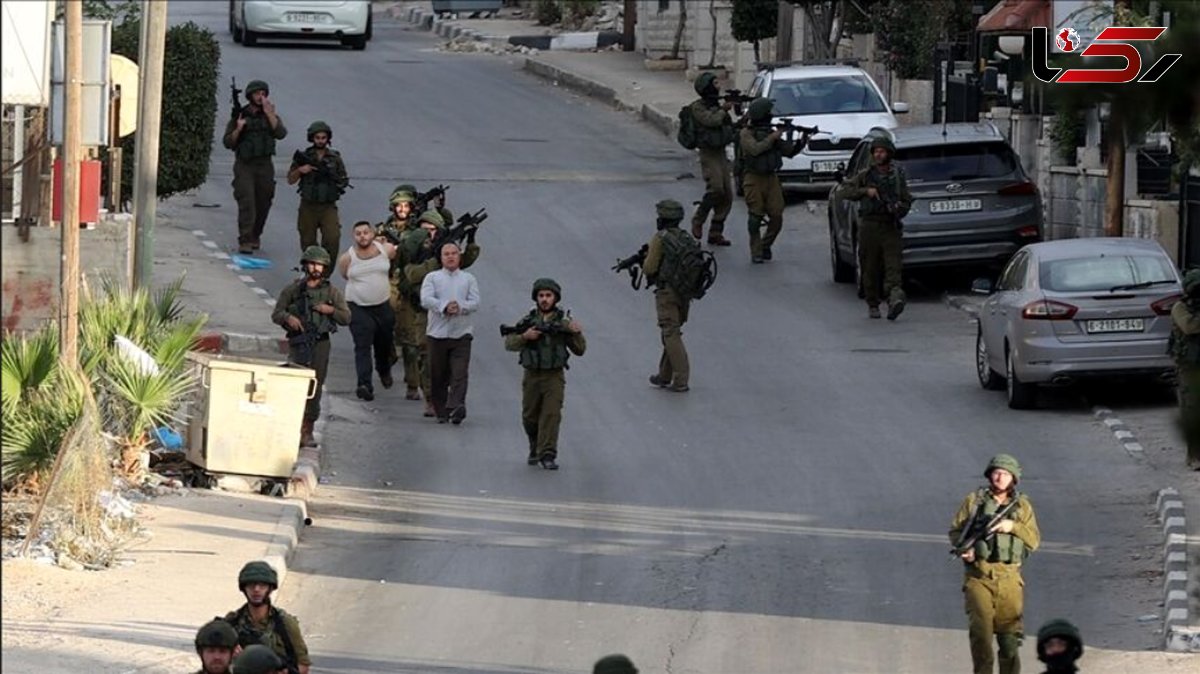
[(973, 533)]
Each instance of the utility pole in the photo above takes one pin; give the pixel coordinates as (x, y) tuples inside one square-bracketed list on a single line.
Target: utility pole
[(71, 155), (1114, 204), (145, 180)]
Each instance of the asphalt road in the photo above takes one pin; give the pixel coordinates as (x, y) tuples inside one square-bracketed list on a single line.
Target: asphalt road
[(786, 515)]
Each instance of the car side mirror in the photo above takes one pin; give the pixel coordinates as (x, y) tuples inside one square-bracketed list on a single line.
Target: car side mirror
[(899, 107), (982, 286)]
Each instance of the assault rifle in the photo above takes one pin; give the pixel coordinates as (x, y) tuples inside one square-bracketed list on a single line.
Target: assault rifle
[(305, 341), (465, 228), (980, 529), (633, 264), (539, 325), (790, 127), (235, 95), (737, 98), (425, 198), (890, 201), (323, 170)]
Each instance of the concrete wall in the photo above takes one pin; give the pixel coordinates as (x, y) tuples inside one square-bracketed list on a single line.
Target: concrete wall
[(31, 270)]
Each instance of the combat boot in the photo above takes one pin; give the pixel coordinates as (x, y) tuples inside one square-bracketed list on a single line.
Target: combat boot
[(873, 312), (766, 253), (306, 435)]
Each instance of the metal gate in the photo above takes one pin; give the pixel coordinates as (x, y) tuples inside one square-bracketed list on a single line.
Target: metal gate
[(1189, 219)]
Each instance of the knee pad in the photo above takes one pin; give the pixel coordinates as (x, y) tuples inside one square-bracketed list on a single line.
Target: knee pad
[(1010, 645)]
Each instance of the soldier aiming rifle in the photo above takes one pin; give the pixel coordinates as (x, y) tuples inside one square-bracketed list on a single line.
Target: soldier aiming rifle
[(633, 264)]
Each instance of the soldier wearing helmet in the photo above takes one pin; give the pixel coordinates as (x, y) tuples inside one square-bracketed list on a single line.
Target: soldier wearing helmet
[(714, 132), (762, 150), (251, 136), (259, 659), (882, 191), (215, 644), (993, 588), (400, 220), (260, 626), (322, 178), (674, 369), (1185, 347), (1059, 645), (310, 309), (545, 338), (614, 664)]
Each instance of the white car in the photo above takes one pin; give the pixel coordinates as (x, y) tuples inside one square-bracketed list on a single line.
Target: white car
[(347, 21), (841, 100)]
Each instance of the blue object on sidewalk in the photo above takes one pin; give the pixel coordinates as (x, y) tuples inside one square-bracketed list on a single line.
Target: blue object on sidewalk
[(247, 262), (168, 438)]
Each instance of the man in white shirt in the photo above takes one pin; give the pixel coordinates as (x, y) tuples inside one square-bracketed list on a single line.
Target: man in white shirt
[(450, 295), (366, 266)]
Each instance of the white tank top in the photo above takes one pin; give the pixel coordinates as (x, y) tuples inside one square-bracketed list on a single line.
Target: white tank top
[(367, 280)]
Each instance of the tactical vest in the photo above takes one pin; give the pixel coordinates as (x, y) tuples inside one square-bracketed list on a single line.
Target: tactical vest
[(1000, 548), (888, 185), (550, 351), (256, 140), (319, 186), (250, 634), (709, 138), (768, 162), (322, 294)]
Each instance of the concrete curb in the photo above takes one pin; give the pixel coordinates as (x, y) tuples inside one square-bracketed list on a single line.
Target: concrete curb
[(236, 342), (1171, 515), (286, 536), (1120, 431), (962, 303), (666, 122), (447, 28)]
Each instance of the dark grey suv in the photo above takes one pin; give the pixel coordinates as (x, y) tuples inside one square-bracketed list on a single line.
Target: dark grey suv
[(973, 205)]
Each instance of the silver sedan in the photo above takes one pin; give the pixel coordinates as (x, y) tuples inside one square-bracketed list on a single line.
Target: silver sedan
[(1076, 309)]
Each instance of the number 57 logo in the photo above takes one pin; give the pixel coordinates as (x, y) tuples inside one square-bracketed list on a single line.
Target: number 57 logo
[(1120, 38)]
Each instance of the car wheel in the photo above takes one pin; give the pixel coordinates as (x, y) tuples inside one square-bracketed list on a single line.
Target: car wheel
[(370, 28), (355, 42), (989, 379), (842, 272), (1021, 396), (233, 28), (249, 37)]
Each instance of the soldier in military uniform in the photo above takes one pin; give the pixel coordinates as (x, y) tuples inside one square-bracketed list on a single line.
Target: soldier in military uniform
[(259, 622), (259, 659), (762, 150), (992, 587), (310, 309), (714, 132), (402, 219), (1059, 645), (883, 190), (252, 137), (614, 664), (419, 259), (439, 204), (322, 181), (215, 642), (546, 342), (1185, 347), (674, 370)]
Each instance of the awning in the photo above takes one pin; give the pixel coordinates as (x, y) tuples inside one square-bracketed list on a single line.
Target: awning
[(1016, 16)]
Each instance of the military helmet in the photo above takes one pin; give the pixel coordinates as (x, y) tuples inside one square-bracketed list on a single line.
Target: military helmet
[(257, 85), (400, 195), (311, 254), (261, 572), (433, 217), (614, 664), (546, 284), (257, 659), (704, 82), (760, 109), (669, 209), (1007, 462), (885, 143), (1062, 629), (412, 240), (317, 127), (1191, 282), (216, 633)]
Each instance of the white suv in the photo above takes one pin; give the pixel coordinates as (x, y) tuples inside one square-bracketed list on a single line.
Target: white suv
[(841, 100)]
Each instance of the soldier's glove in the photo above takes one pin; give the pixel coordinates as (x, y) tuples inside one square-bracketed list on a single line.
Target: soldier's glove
[(471, 235)]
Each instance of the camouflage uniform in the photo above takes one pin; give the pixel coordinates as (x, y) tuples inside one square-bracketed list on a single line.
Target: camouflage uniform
[(1185, 347), (1062, 662), (762, 152), (714, 132), (394, 229), (674, 368), (992, 587), (253, 167), (319, 193)]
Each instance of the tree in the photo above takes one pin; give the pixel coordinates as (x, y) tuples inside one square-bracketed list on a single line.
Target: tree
[(679, 29), (754, 20)]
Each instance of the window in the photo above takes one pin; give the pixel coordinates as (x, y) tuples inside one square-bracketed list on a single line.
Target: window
[(825, 96), (952, 163), (756, 87), (1103, 273), (1013, 277)]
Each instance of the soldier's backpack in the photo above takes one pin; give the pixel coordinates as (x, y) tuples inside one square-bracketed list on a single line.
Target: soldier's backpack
[(686, 268), (687, 128)]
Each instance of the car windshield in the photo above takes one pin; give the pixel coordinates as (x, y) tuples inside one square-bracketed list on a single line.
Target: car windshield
[(1102, 274), (953, 163), (825, 96)]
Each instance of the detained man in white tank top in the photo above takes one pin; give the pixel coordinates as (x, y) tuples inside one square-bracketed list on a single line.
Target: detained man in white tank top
[(366, 266)]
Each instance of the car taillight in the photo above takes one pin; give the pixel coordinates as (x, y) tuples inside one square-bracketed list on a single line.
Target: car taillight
[(1017, 189), (1029, 232), (1163, 307), (1048, 310)]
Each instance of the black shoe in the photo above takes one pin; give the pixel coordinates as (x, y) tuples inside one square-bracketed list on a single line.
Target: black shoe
[(386, 380), (364, 393), (442, 419), (895, 309), (548, 463), (766, 254), (457, 415), (533, 458), (658, 381), (756, 259), (679, 388)]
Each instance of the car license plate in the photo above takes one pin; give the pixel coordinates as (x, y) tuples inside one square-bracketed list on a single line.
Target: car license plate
[(955, 205), (307, 17), (1116, 325), (824, 166)]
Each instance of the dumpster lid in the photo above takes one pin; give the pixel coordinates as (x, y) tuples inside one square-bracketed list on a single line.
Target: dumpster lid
[(248, 364)]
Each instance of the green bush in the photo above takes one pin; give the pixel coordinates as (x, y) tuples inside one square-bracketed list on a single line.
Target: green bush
[(754, 20), (189, 106), (548, 12)]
